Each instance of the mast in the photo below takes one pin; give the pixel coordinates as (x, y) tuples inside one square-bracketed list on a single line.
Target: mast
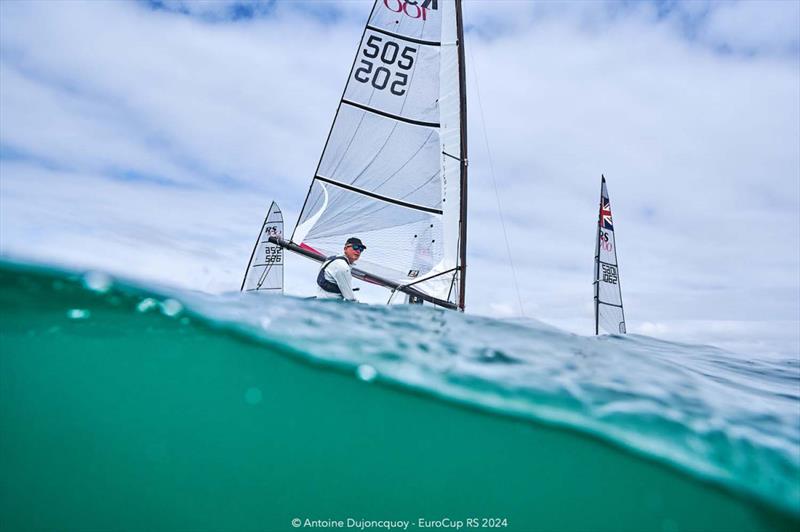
[(462, 85), (597, 261)]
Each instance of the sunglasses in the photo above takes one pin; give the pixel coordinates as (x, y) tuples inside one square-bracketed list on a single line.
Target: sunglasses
[(358, 248)]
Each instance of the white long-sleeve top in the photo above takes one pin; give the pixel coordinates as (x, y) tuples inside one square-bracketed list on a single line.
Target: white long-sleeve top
[(338, 272)]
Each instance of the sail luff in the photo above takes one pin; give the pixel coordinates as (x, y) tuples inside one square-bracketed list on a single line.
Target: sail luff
[(462, 82), (333, 124), (253, 254), (596, 282)]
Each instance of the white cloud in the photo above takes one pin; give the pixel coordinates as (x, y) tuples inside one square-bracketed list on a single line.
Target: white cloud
[(750, 26)]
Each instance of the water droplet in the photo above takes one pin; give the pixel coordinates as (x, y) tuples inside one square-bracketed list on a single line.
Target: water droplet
[(171, 308), (77, 314), (366, 373), (146, 304), (253, 396), (97, 282)]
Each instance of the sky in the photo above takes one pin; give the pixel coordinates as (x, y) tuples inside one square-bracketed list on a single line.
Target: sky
[(148, 138)]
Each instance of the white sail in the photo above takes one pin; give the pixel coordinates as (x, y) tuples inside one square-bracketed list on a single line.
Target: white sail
[(608, 294), (391, 170), (265, 269)]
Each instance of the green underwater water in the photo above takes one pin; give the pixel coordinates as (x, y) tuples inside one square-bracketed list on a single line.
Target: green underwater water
[(118, 419)]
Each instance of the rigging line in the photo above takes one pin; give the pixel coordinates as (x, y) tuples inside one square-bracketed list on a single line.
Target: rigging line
[(264, 274), (494, 181), (429, 278)]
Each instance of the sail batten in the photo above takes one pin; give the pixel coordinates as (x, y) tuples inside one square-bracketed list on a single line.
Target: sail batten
[(380, 197), (403, 37), (389, 115), (394, 159)]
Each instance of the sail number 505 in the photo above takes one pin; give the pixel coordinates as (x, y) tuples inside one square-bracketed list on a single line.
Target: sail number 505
[(389, 53)]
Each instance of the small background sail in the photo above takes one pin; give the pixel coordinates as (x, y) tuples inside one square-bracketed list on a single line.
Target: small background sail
[(390, 170), (265, 269), (608, 295)]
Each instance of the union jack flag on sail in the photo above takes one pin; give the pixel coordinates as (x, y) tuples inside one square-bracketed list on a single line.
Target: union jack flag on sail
[(605, 214)]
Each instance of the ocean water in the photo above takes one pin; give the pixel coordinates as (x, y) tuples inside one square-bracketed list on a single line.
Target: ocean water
[(128, 407)]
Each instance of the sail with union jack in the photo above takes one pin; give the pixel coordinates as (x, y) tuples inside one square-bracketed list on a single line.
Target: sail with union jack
[(608, 310), (605, 209)]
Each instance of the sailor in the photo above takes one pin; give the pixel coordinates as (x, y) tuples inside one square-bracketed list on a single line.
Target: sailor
[(334, 278)]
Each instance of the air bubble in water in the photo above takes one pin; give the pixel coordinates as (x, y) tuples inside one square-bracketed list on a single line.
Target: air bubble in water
[(171, 308), (97, 282), (77, 314), (146, 304), (366, 373), (253, 396)]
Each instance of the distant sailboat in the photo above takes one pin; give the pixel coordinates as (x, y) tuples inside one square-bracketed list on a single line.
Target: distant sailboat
[(393, 171), (265, 268), (608, 312)]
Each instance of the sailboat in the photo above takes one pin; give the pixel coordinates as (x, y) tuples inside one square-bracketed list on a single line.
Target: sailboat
[(608, 312), (265, 267), (393, 171)]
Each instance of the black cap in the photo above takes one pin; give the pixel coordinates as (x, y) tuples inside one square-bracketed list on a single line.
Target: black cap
[(354, 241)]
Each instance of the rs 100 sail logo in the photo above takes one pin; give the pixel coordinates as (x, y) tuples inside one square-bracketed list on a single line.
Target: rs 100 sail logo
[(412, 8)]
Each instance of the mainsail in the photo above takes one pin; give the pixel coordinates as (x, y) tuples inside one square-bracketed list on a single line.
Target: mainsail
[(394, 168), (265, 269), (607, 293)]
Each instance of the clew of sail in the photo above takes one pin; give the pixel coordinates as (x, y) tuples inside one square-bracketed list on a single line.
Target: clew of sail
[(265, 269), (393, 169), (607, 292)]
